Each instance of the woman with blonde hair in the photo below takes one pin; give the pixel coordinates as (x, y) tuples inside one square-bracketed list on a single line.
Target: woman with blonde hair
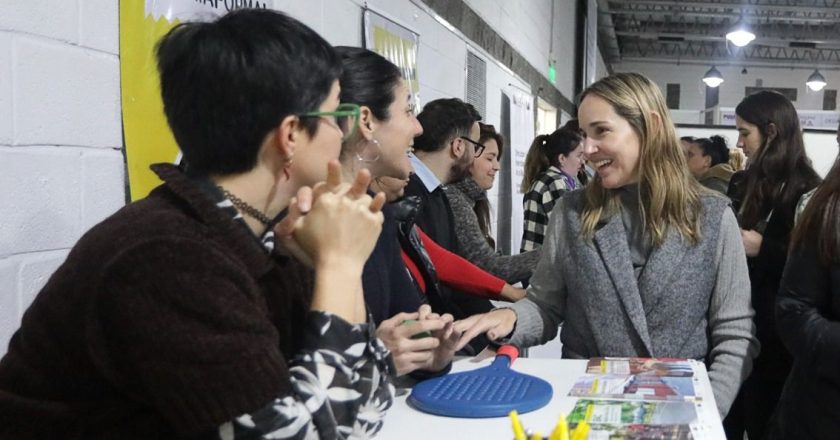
[(737, 159), (634, 235)]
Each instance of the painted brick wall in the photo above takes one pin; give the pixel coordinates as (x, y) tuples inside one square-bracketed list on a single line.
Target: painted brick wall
[(61, 169)]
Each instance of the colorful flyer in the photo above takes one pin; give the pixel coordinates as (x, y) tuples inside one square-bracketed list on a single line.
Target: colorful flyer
[(617, 412), (635, 387), (644, 366)]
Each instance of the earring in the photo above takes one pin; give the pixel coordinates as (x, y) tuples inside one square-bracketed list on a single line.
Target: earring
[(366, 156), (287, 162)]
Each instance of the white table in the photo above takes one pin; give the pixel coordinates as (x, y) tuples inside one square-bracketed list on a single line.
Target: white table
[(406, 423)]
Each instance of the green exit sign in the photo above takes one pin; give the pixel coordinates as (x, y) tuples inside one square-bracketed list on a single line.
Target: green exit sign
[(552, 74)]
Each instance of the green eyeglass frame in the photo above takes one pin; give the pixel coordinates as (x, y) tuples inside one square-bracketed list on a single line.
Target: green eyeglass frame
[(346, 118)]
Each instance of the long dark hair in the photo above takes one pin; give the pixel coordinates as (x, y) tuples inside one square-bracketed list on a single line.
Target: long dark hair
[(544, 150), (482, 207), (781, 171), (821, 219), (368, 79)]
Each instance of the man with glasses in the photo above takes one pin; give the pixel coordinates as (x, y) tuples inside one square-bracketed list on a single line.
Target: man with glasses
[(443, 155)]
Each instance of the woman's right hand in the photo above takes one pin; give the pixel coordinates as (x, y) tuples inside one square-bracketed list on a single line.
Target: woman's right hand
[(496, 323), (333, 222)]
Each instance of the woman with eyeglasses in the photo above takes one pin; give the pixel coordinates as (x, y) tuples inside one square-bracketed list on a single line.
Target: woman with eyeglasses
[(179, 317), (765, 197)]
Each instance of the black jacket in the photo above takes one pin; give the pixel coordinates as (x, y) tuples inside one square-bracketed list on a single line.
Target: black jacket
[(773, 362), (808, 317)]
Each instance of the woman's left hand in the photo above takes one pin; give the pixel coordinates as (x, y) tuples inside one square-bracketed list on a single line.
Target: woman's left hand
[(447, 336), (752, 242)]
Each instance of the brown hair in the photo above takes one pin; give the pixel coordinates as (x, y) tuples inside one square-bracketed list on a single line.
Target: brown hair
[(670, 196), (820, 221), (482, 207), (781, 171), (544, 151)]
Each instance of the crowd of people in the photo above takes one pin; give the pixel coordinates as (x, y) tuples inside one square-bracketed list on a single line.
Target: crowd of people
[(322, 240)]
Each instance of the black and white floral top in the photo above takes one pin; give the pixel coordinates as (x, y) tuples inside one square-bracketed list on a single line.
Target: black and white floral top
[(340, 380)]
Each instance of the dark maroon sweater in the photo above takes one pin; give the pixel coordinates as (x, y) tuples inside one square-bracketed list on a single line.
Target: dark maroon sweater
[(167, 320)]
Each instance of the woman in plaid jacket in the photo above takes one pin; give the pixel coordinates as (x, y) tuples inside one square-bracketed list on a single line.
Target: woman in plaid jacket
[(551, 168)]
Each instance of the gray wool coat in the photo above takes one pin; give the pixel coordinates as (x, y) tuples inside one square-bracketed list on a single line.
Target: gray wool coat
[(683, 301)]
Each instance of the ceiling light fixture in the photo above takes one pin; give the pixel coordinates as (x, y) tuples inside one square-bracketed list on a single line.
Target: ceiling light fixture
[(740, 34), (816, 81), (713, 78)]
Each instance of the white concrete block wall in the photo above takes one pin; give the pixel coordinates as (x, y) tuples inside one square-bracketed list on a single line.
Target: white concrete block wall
[(61, 168), (526, 25)]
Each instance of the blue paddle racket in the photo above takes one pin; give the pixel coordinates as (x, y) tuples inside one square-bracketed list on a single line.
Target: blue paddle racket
[(492, 391)]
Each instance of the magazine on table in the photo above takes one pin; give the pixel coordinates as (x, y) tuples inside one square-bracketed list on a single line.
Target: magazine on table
[(617, 419), (645, 366)]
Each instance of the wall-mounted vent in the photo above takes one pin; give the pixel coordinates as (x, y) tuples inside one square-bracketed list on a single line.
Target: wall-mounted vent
[(476, 92)]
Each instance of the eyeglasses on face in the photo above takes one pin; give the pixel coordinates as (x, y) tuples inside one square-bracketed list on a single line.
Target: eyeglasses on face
[(479, 148), (345, 117)]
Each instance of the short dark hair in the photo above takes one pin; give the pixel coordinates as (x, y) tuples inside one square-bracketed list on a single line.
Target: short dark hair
[(226, 84), (368, 79), (715, 147), (443, 120)]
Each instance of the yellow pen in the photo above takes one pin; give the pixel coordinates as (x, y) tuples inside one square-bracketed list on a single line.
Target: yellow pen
[(536, 436), (561, 431), (518, 431), (581, 431)]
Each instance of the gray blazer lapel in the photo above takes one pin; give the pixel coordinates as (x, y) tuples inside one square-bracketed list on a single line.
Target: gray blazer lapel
[(659, 271), (611, 241)]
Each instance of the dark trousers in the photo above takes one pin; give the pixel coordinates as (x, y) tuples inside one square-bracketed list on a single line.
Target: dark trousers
[(752, 409)]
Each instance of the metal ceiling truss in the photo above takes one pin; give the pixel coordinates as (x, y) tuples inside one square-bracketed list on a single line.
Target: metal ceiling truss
[(638, 48), (789, 32)]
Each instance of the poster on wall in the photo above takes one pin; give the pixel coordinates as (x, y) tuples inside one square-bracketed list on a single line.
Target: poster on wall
[(147, 138), (521, 135), (395, 42)]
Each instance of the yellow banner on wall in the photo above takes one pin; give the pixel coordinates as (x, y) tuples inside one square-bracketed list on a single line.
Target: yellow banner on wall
[(395, 42), (146, 135)]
